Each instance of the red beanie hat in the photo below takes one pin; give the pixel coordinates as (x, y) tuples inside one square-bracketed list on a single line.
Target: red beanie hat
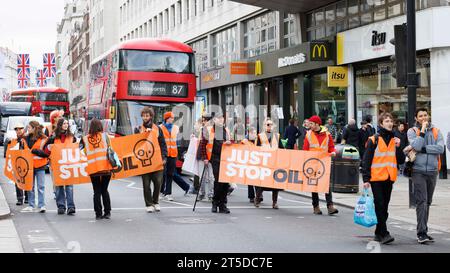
[(168, 115), (316, 119)]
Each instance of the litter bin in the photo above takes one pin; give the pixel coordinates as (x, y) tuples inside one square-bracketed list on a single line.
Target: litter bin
[(345, 169)]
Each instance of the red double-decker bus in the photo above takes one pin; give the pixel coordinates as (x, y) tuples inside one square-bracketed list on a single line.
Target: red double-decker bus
[(44, 100), (138, 73)]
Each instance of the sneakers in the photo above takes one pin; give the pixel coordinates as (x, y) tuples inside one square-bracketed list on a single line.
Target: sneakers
[(317, 211), (387, 239), (19, 203), (332, 210), (71, 211), (28, 209), (377, 238), (157, 207), (423, 239), (61, 211), (169, 197), (275, 206), (106, 216), (430, 239), (42, 210), (150, 209)]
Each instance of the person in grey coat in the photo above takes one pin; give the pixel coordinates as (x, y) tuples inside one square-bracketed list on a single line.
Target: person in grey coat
[(425, 169)]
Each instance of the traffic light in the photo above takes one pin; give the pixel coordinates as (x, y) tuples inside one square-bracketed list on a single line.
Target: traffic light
[(399, 42)]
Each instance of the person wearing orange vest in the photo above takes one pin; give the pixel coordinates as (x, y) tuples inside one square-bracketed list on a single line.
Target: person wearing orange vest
[(319, 139), (35, 140), (379, 171), (95, 145), (251, 141), (271, 140), (54, 117), (170, 132), (206, 186), (152, 200), (20, 140), (64, 194), (428, 141), (210, 149)]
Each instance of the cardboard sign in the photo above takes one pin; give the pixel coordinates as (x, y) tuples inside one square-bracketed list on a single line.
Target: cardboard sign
[(278, 169), (137, 153), (19, 168)]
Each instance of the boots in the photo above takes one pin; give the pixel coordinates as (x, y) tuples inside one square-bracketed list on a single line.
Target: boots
[(223, 209), (214, 208), (332, 210), (317, 210)]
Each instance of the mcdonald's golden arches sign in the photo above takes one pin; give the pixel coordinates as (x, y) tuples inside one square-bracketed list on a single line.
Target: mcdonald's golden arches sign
[(320, 51)]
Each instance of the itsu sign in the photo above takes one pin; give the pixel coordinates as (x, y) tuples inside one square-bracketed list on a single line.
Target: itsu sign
[(378, 40)]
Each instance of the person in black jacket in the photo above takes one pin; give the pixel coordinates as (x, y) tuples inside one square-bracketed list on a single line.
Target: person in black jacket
[(221, 136), (20, 140), (364, 135), (401, 133), (292, 133), (351, 134)]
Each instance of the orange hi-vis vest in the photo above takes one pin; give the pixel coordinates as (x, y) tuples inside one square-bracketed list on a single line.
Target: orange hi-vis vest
[(314, 144), (68, 140), (384, 164), (155, 133), (436, 136), (39, 162), (265, 141), (96, 152), (171, 140), (212, 135)]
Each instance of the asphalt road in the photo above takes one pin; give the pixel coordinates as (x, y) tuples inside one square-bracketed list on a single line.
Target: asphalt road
[(177, 229)]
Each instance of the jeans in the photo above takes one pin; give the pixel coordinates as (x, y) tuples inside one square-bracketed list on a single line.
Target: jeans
[(64, 194), (39, 179), (424, 185), (382, 196), (100, 185), (157, 179), (171, 173)]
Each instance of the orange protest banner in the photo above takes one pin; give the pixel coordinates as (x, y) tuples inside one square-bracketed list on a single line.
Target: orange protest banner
[(68, 165), (137, 153), (8, 170), (277, 169), (19, 168)]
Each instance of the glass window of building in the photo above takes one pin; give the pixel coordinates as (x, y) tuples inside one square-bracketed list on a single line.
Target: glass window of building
[(377, 91), (290, 34), (201, 55), (224, 46), (260, 35)]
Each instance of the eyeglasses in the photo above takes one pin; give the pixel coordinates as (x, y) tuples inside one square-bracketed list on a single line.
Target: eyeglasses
[(17, 129), (269, 124)]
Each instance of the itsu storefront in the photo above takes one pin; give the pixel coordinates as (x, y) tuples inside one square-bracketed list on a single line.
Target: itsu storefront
[(372, 88)]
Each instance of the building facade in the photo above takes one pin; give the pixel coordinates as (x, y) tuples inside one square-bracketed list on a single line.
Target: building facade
[(103, 24), (8, 73)]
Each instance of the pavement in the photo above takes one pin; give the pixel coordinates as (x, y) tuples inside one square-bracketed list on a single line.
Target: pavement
[(399, 205), (9, 238)]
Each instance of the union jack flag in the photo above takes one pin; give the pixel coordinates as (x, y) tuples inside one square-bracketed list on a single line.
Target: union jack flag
[(41, 80), (49, 65), (22, 83), (23, 66)]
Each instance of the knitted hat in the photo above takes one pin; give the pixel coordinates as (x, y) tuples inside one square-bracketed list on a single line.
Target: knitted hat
[(316, 119), (168, 115)]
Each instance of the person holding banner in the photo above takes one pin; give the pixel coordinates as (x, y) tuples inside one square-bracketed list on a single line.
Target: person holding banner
[(210, 150), (64, 194), (152, 200), (170, 132), (270, 140), (251, 141), (207, 184), (319, 139), (36, 140), (20, 143), (379, 169), (99, 168)]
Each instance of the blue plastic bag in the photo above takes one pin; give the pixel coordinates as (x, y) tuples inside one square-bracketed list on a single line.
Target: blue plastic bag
[(365, 211)]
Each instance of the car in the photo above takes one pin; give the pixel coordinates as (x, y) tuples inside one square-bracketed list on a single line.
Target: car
[(9, 131), (9, 109)]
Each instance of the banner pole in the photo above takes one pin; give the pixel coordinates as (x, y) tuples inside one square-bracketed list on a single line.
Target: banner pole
[(198, 192)]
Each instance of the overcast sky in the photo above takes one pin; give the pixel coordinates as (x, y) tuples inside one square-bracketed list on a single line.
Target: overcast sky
[(29, 26)]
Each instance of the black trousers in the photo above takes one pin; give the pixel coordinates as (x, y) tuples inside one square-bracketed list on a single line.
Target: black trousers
[(100, 185), (20, 194), (169, 170), (196, 183), (220, 189), (328, 197), (382, 195)]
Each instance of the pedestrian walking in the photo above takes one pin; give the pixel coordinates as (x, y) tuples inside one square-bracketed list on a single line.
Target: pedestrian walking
[(303, 130), (99, 168), (364, 135), (379, 169), (332, 129), (292, 133), (428, 142), (19, 144), (251, 140), (207, 184), (268, 139), (401, 134), (170, 132), (156, 177), (35, 140), (64, 194), (351, 134), (319, 139), (210, 150)]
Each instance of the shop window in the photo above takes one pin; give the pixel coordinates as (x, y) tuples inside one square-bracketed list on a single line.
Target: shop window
[(353, 22), (260, 35), (379, 15), (366, 18), (341, 10), (353, 7)]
